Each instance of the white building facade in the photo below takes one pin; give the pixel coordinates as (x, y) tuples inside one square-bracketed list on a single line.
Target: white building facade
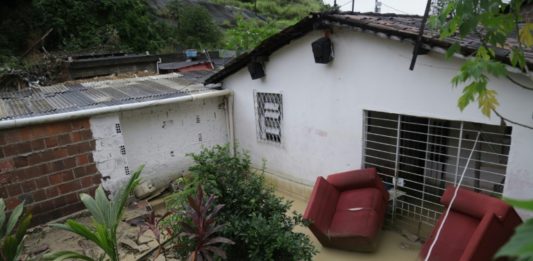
[(333, 118)]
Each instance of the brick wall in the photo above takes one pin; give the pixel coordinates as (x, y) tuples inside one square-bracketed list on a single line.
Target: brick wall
[(47, 166)]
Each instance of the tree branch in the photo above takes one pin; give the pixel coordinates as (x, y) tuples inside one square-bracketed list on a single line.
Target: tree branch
[(510, 121), (517, 83)]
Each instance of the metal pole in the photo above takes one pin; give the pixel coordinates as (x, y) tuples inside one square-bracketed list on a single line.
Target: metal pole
[(353, 4)]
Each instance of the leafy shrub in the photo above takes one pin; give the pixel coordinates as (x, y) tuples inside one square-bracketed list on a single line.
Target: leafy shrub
[(106, 216), (257, 219), (11, 234)]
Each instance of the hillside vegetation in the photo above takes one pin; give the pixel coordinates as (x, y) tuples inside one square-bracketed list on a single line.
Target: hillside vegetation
[(80, 26)]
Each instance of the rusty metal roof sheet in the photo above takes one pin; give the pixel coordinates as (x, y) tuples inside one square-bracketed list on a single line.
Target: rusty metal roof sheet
[(43, 100)]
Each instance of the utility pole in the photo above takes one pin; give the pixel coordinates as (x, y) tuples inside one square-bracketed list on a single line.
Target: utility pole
[(377, 7), (353, 3)]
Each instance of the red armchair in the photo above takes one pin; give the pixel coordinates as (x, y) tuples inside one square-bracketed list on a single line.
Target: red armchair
[(347, 210), (477, 226)]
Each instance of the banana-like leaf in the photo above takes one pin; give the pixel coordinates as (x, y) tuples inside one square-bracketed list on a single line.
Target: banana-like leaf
[(62, 255), (523, 204), (79, 229), (10, 248), (2, 216), (22, 228), (105, 207), (92, 206), (108, 242), (120, 199), (13, 218), (106, 216)]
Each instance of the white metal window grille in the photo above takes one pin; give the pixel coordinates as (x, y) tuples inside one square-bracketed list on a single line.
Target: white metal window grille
[(269, 113), (418, 157)]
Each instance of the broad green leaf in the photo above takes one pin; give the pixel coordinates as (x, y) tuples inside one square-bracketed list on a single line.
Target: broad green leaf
[(10, 249), (2, 216), (23, 227), (521, 243), (14, 217), (526, 37), (62, 255), (77, 228), (104, 205), (524, 204), (517, 58), (452, 50), (93, 207)]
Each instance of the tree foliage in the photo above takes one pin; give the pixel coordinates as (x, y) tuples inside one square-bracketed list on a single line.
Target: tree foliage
[(494, 23), (195, 27), (247, 34)]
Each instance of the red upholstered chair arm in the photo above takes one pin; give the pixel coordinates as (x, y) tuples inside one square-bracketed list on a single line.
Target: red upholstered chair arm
[(488, 237), (322, 205)]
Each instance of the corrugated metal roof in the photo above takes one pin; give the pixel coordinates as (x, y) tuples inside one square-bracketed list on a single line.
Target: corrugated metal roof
[(403, 27), (43, 100)]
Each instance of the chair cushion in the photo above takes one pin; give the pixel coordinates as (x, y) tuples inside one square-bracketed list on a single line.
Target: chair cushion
[(356, 214), (367, 198), (454, 237), (361, 223)]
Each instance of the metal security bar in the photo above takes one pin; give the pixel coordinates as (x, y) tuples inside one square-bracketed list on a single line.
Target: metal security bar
[(418, 157), (269, 112)]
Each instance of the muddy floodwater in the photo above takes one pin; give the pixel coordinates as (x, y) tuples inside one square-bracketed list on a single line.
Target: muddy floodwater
[(392, 246)]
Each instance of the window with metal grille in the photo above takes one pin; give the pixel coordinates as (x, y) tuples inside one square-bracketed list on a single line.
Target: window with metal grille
[(269, 113), (418, 157)]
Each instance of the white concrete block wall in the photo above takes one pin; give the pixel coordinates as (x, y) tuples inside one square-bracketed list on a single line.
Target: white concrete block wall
[(324, 104), (161, 136), (107, 156)]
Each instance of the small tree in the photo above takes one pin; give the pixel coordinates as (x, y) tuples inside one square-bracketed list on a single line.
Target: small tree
[(195, 27), (494, 23), (247, 34)]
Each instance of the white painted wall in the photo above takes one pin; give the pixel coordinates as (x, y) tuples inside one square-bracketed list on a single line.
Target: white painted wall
[(109, 161), (324, 104), (161, 136)]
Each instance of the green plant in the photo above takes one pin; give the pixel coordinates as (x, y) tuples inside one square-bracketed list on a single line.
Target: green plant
[(496, 24), (201, 229), (257, 219), (106, 215), (521, 244), (247, 34), (11, 234)]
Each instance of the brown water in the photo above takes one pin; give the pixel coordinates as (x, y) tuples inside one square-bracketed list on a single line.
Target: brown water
[(392, 246)]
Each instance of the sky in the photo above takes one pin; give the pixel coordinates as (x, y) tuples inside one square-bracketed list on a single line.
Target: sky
[(387, 6)]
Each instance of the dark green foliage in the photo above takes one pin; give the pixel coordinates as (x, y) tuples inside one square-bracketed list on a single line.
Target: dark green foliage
[(247, 34), (116, 24), (257, 219), (195, 27), (12, 231)]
